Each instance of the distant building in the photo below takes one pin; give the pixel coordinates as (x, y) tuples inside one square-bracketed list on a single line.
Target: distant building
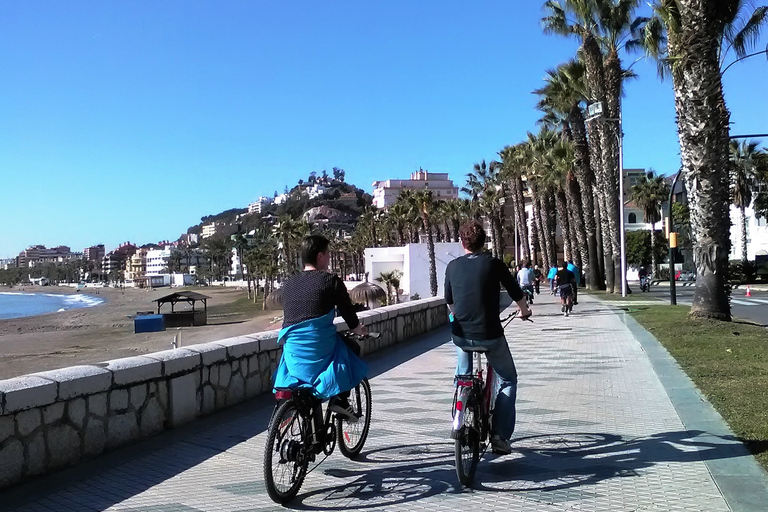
[(314, 191), (757, 235), (115, 261), (258, 205), (94, 253), (157, 261), (281, 199), (209, 230), (136, 267), (632, 177), (386, 192), (39, 255), (350, 198), (7, 263)]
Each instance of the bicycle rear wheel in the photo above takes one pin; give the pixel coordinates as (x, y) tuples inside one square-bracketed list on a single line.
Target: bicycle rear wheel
[(468, 442), (352, 436), (285, 455)]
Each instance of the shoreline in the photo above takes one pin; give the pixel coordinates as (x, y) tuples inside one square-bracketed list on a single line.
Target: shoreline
[(92, 301), (100, 333)]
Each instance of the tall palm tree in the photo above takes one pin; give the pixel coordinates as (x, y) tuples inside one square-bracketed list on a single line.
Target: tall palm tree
[(423, 202), (746, 159), (511, 174), (398, 213), (580, 18), (486, 188), (649, 193), (689, 39)]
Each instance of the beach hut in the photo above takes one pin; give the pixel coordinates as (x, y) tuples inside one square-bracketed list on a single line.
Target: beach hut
[(185, 318)]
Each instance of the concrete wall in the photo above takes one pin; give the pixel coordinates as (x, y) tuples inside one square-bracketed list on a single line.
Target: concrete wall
[(53, 419)]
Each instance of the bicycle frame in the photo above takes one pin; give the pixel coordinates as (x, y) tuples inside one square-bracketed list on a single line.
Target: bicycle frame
[(465, 386)]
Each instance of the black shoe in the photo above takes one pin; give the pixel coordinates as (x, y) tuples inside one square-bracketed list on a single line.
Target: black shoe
[(344, 410)]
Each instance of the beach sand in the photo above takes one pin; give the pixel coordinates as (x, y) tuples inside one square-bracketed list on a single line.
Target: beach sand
[(104, 332)]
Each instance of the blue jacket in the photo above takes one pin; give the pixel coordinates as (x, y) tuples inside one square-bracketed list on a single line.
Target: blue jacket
[(573, 268), (315, 356)]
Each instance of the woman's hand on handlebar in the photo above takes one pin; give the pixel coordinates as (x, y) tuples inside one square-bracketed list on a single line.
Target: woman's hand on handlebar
[(360, 330)]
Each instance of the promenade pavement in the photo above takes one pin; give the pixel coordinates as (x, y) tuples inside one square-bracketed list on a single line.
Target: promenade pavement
[(598, 430)]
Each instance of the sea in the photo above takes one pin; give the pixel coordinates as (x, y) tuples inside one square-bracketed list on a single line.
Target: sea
[(17, 304)]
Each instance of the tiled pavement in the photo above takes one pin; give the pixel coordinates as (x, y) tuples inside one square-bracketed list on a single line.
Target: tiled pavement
[(596, 432)]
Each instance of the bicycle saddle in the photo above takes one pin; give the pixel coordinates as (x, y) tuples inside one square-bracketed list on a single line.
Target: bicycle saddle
[(475, 349)]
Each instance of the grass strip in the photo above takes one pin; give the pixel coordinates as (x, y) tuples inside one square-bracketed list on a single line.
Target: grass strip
[(728, 362)]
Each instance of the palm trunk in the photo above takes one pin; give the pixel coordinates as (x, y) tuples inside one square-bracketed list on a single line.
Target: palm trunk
[(654, 263), (600, 246), (456, 227), (586, 180), (540, 219), (702, 121), (431, 250), (744, 253), (535, 244), (551, 213), (613, 79), (573, 203), (565, 225), (520, 217)]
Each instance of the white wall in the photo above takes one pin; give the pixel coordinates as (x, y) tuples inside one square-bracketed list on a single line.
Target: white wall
[(413, 261), (757, 234)]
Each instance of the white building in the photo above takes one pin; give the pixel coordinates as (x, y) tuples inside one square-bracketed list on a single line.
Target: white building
[(280, 199), (413, 261), (157, 261), (757, 234), (314, 191), (386, 192), (258, 205), (209, 230)]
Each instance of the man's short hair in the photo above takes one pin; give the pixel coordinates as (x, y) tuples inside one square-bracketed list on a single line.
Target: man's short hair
[(311, 246), (472, 236), (564, 264)]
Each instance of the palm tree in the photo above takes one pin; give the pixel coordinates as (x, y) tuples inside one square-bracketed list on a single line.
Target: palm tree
[(512, 175), (423, 202), (290, 232), (580, 18), (690, 40), (368, 219), (392, 280), (566, 91), (398, 213), (746, 159), (486, 188), (649, 193)]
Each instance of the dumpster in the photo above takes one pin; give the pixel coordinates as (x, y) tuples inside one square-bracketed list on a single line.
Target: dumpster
[(148, 323)]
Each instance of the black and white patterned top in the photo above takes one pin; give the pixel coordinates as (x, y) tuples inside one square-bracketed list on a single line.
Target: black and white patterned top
[(312, 294)]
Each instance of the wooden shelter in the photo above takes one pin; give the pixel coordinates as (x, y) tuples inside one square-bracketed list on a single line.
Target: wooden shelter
[(186, 318)]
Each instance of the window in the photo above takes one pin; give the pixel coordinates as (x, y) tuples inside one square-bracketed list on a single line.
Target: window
[(761, 221), (632, 218)]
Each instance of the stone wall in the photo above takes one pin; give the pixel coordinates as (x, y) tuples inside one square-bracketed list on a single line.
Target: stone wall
[(53, 419)]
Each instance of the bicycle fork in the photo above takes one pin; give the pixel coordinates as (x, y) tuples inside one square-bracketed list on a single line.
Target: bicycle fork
[(463, 390)]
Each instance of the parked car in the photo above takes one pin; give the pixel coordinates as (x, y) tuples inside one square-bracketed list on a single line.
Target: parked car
[(686, 275)]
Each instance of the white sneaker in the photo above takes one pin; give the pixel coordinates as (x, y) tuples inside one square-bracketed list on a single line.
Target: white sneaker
[(344, 410), (500, 446)]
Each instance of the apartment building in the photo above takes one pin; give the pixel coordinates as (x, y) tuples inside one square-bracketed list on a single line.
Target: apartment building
[(386, 192)]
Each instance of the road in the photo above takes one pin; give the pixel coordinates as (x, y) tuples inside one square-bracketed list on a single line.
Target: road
[(754, 308)]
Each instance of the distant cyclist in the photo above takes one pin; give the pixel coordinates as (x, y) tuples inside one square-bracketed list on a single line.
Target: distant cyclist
[(314, 354), (566, 282), (525, 278), (472, 286)]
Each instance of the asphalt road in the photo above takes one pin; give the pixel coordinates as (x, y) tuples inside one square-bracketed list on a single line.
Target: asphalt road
[(754, 308)]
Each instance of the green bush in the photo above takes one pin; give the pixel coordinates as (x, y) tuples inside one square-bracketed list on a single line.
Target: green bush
[(744, 272)]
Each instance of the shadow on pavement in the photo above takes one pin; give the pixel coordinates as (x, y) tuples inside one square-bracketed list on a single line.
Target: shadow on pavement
[(175, 451), (541, 464)]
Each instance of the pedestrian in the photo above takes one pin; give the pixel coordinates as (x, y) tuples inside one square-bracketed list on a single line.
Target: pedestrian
[(551, 276), (577, 273), (536, 278)]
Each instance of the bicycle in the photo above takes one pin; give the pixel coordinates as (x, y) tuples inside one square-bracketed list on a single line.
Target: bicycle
[(300, 430), (472, 413)]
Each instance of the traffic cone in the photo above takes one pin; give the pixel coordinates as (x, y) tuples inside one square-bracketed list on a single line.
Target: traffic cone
[(749, 293)]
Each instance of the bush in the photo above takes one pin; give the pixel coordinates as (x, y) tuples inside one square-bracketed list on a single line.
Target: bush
[(743, 272), (663, 274), (508, 258)]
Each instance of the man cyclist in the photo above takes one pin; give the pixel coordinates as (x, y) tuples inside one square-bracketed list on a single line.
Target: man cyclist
[(472, 287), (577, 273), (525, 278), (314, 354), (566, 282)]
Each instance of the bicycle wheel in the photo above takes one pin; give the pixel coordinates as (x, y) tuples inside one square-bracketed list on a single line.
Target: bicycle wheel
[(352, 436), (285, 459), (468, 442)]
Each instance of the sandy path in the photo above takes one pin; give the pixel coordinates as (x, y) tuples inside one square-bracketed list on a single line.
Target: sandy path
[(104, 332)]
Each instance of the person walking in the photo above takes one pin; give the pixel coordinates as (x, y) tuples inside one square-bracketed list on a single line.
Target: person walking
[(537, 277), (566, 281), (577, 273), (472, 287)]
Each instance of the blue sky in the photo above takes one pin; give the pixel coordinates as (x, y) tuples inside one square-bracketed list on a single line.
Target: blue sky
[(128, 121)]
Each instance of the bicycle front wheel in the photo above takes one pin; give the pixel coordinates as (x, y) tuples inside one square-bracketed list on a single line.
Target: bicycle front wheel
[(352, 436), (285, 455), (468, 442)]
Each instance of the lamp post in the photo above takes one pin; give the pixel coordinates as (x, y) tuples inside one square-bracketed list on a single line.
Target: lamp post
[(672, 243)]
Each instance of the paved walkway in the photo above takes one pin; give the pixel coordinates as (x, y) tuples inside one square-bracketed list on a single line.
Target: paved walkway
[(597, 431)]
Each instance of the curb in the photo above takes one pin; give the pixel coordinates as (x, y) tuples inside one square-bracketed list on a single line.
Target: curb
[(692, 284)]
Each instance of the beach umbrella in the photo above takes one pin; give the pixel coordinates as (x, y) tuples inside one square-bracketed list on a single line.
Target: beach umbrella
[(368, 294), (275, 299)]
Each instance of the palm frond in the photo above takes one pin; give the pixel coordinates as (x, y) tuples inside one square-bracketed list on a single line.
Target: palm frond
[(746, 37)]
